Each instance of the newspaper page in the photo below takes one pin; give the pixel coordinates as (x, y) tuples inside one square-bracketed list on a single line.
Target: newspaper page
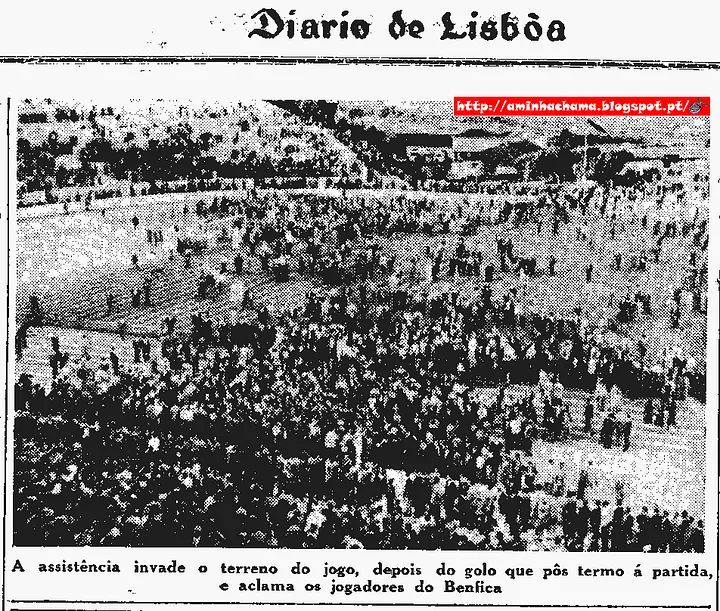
[(362, 304)]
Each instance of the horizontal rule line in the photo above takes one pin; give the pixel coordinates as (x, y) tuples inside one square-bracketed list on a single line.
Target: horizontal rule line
[(361, 60), (352, 604)]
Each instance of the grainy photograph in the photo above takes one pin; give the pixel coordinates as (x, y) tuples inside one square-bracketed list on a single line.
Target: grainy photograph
[(323, 324)]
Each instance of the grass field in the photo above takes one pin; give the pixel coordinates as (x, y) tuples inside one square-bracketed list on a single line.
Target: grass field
[(72, 260)]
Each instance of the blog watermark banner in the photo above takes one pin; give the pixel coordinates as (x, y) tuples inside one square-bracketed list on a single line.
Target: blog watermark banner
[(473, 106)]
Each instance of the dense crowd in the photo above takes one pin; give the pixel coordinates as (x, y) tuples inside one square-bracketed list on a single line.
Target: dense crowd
[(301, 431), (87, 153), (380, 413)]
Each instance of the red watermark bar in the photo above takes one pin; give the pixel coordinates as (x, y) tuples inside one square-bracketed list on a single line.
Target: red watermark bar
[(678, 106)]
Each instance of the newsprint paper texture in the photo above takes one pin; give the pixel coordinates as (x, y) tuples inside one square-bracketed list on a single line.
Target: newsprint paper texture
[(359, 305)]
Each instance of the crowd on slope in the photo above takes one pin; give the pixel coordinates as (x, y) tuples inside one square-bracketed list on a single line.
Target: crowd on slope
[(378, 414)]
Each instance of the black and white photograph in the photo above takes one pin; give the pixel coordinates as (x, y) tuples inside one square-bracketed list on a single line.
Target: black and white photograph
[(358, 324)]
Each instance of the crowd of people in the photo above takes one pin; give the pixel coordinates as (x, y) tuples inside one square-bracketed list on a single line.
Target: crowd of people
[(350, 422), (383, 411)]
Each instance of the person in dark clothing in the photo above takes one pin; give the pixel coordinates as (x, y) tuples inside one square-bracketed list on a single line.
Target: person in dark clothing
[(489, 273), (114, 361), (594, 521), (569, 519), (660, 415), (628, 530), (551, 265), (675, 315), (626, 430), (655, 531), (145, 347), (649, 411), (643, 526), (607, 430), (239, 263), (583, 481), (696, 539), (617, 537), (589, 414), (147, 286), (671, 412)]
